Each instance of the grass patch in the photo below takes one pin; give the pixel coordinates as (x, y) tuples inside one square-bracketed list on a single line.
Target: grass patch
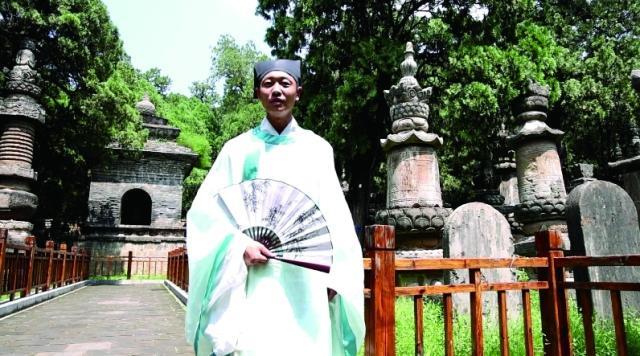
[(434, 331), (123, 276)]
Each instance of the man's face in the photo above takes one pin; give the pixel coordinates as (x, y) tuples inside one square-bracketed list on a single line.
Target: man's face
[(278, 93)]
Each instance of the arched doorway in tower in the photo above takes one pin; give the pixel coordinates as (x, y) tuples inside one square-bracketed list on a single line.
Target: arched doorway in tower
[(135, 208)]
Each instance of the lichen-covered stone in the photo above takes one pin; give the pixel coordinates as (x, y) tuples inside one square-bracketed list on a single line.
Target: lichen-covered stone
[(479, 230), (602, 220)]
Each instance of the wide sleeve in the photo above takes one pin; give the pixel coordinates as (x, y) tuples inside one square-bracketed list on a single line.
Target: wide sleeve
[(347, 273), (217, 273)]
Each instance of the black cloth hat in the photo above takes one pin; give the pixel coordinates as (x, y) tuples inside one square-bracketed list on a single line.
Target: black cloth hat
[(289, 66)]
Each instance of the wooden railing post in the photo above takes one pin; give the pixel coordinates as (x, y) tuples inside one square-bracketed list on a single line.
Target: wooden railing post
[(475, 303), (553, 301), (49, 246), (3, 253), (74, 252), (63, 252), (31, 243), (129, 261), (380, 309), (180, 269)]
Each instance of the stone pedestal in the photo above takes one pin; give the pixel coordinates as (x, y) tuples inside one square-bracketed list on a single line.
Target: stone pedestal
[(20, 112), (540, 183)]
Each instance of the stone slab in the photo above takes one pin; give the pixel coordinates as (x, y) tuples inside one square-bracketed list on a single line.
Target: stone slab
[(140, 319), (29, 301), (479, 230), (602, 220)]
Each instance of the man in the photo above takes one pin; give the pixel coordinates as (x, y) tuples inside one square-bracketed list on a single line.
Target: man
[(244, 303)]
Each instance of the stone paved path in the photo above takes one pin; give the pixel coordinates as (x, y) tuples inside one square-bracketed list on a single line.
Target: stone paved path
[(143, 319)]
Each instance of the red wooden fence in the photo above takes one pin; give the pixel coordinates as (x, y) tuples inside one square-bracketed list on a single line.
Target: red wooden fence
[(27, 269), (178, 270), (551, 284), (129, 265), (382, 268)]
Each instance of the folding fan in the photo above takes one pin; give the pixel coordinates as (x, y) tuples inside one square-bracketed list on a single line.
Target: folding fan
[(282, 218)]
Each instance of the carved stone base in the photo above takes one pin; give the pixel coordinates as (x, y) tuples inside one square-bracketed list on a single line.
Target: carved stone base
[(541, 209), (423, 219), (17, 204), (18, 230)]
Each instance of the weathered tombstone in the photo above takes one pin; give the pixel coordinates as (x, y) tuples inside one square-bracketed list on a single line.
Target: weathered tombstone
[(602, 220), (479, 230)]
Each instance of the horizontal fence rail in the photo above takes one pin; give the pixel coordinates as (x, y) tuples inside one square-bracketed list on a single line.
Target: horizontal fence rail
[(28, 269)]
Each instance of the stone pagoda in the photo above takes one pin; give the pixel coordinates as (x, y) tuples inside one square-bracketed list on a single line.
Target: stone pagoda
[(540, 182), (136, 204), (629, 167), (503, 172), (414, 199), (20, 113)]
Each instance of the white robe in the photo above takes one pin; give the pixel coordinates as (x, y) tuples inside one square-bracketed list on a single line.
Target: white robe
[(274, 308)]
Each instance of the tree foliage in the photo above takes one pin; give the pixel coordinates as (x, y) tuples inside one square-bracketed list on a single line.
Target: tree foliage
[(84, 94), (478, 56), (89, 93), (235, 110)]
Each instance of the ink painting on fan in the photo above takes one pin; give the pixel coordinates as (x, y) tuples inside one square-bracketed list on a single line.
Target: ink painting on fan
[(282, 218)]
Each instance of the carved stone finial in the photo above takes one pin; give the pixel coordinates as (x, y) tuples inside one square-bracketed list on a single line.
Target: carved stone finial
[(23, 76), (531, 112), (534, 104), (617, 152), (409, 108), (145, 106), (635, 79), (506, 156), (409, 66), (581, 173)]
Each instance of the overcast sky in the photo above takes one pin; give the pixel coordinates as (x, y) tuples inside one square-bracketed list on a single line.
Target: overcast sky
[(177, 35)]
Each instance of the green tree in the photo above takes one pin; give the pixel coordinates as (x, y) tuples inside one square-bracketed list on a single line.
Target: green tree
[(236, 110), (160, 82), (78, 54), (478, 56)]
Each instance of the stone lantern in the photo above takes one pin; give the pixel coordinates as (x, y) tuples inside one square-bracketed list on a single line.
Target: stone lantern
[(414, 199), (20, 112)]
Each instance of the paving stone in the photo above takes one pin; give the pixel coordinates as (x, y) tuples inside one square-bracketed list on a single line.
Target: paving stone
[(99, 320)]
